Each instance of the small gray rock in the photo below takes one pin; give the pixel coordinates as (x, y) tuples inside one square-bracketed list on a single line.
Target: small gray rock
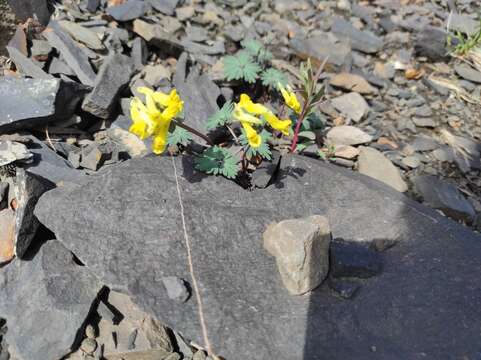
[(468, 73), (373, 163), (351, 105), (347, 135), (176, 288)]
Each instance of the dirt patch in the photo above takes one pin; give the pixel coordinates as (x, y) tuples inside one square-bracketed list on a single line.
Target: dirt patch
[(7, 25)]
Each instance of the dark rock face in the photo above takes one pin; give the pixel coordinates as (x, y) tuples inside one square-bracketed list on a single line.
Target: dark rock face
[(26, 103), (25, 9), (28, 189), (350, 259), (45, 302), (444, 196), (126, 226)]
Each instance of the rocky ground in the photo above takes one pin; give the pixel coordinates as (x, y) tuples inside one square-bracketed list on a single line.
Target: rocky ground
[(401, 106)]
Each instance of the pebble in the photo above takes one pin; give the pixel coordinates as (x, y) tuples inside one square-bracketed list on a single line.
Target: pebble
[(88, 345), (90, 332), (352, 105), (373, 163), (411, 161)]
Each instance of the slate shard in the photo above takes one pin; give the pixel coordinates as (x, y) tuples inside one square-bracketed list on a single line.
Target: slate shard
[(49, 295), (75, 57), (26, 65), (434, 259), (27, 103), (113, 75)]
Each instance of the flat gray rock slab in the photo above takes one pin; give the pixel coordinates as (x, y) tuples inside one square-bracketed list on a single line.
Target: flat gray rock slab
[(27, 103), (126, 226), (45, 302)]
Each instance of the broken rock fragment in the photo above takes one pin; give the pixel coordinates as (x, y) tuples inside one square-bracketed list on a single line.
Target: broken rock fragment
[(113, 75), (301, 249)]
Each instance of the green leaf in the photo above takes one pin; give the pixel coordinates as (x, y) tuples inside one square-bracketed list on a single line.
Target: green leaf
[(257, 50), (241, 66), (179, 136), (218, 161), (252, 46), (307, 135), (221, 117), (271, 77), (263, 150)]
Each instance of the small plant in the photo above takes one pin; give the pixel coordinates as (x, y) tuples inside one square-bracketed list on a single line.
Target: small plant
[(261, 128), (460, 43), (251, 64)]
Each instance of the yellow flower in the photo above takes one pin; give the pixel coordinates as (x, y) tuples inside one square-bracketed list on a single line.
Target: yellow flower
[(248, 105), (252, 136), (154, 117), (290, 98), (243, 116), (281, 125)]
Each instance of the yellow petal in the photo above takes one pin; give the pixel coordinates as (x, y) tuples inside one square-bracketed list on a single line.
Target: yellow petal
[(281, 125), (248, 105), (174, 106), (290, 98), (161, 98), (139, 113), (242, 116), (252, 136), (139, 128), (159, 142)]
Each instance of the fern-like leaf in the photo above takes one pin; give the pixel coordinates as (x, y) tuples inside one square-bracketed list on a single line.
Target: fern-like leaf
[(271, 77), (221, 117), (241, 66), (218, 161), (263, 150), (179, 136), (257, 50)]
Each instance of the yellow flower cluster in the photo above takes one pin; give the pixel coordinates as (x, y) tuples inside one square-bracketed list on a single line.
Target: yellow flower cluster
[(154, 117), (249, 113)]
